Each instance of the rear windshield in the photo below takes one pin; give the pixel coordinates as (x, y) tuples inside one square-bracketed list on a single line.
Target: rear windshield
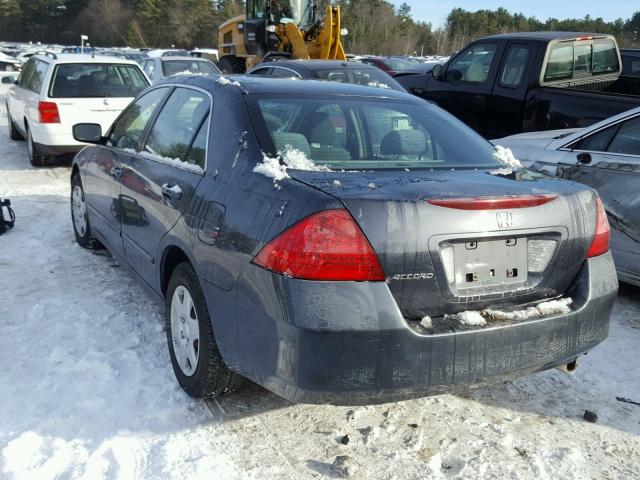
[(81, 80), (398, 64), (356, 133), (173, 67), (577, 60), (360, 76)]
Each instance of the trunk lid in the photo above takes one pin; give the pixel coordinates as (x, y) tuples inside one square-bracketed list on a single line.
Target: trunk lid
[(440, 260), (102, 110)]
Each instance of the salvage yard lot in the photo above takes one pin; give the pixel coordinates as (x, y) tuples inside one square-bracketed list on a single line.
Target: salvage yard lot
[(87, 389)]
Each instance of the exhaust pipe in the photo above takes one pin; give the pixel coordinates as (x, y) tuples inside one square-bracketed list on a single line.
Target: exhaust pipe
[(569, 367)]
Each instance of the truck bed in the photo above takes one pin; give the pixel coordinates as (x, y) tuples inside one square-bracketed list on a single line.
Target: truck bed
[(579, 104)]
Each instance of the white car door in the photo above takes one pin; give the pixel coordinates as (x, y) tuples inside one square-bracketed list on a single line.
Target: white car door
[(609, 161)]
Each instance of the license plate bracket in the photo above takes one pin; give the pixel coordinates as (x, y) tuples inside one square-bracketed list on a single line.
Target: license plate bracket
[(484, 263)]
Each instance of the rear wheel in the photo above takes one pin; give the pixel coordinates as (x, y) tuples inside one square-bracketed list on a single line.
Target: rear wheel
[(79, 217), (231, 64), (14, 134), (195, 357), (36, 157)]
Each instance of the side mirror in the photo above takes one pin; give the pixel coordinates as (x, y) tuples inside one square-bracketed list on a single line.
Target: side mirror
[(9, 79), (87, 132), (436, 72)]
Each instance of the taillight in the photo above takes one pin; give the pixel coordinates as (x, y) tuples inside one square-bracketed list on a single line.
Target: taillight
[(328, 245), (494, 203), (600, 242), (48, 112)]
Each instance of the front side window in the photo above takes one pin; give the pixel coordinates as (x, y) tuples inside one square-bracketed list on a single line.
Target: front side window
[(627, 140), (37, 77), (128, 129), (149, 67), (367, 133), (177, 124), (89, 80), (472, 65), (514, 66)]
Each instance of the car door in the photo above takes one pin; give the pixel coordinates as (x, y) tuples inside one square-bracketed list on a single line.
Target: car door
[(32, 93), (161, 179), (609, 161), (506, 107), (468, 80), (16, 95), (105, 173)]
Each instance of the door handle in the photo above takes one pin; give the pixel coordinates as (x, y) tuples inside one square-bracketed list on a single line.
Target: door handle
[(171, 192), (116, 172), (584, 158), (478, 99)]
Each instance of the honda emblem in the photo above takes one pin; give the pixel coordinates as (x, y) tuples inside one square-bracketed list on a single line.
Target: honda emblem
[(505, 220)]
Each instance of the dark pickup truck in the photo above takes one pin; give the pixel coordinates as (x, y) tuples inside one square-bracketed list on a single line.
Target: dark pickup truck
[(520, 82)]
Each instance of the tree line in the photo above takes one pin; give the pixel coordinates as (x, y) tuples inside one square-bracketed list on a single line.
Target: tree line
[(375, 26)]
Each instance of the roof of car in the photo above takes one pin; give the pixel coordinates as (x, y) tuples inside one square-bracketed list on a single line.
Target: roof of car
[(547, 36), (83, 58), (313, 65), (253, 84)]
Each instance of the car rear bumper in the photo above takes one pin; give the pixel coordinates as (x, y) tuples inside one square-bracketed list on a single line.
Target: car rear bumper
[(348, 344)]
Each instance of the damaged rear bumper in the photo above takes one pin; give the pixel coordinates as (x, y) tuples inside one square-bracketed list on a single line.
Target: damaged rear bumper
[(348, 344)]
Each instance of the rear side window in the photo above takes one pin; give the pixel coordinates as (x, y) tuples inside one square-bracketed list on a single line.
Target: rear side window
[(581, 59), (173, 67), (37, 77), (177, 124), (89, 80), (283, 73), (128, 129), (149, 67), (598, 141), (515, 65), (25, 74), (627, 140), (360, 76), (472, 65), (367, 133)]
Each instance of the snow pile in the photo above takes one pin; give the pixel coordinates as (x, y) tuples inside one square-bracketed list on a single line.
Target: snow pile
[(426, 322), (222, 80), (272, 168), (337, 183), (372, 186), (174, 162), (471, 318), (505, 155), (293, 158), (544, 309)]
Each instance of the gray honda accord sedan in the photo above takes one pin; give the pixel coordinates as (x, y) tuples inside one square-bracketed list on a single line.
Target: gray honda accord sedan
[(339, 243)]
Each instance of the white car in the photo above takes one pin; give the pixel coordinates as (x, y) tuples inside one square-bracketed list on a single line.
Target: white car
[(54, 92), (605, 156)]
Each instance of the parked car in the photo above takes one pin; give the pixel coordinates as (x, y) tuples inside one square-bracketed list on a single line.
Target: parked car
[(53, 92), (605, 156), (9, 63), (332, 70), (361, 249), (128, 54), (630, 61), (86, 50), (390, 65), (415, 76), (171, 52), (158, 68), (506, 84), (208, 53)]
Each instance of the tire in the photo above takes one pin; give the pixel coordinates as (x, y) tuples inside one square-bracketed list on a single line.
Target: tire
[(36, 157), (79, 217), (195, 357), (231, 64), (14, 134)]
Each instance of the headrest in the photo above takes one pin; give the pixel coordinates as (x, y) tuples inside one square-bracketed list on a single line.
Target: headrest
[(403, 142), (318, 128)]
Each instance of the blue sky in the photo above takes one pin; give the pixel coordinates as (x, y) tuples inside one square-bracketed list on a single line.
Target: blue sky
[(436, 11)]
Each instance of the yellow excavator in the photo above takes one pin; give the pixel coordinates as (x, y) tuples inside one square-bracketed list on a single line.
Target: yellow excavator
[(280, 29)]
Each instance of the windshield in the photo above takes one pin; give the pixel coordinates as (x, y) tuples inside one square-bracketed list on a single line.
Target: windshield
[(173, 67), (372, 77), (357, 133), (82, 80)]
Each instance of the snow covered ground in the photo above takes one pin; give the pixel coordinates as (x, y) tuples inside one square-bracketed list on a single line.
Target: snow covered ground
[(87, 390)]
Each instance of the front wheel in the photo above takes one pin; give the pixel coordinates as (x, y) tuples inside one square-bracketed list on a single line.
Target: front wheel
[(231, 64), (79, 217), (195, 357)]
